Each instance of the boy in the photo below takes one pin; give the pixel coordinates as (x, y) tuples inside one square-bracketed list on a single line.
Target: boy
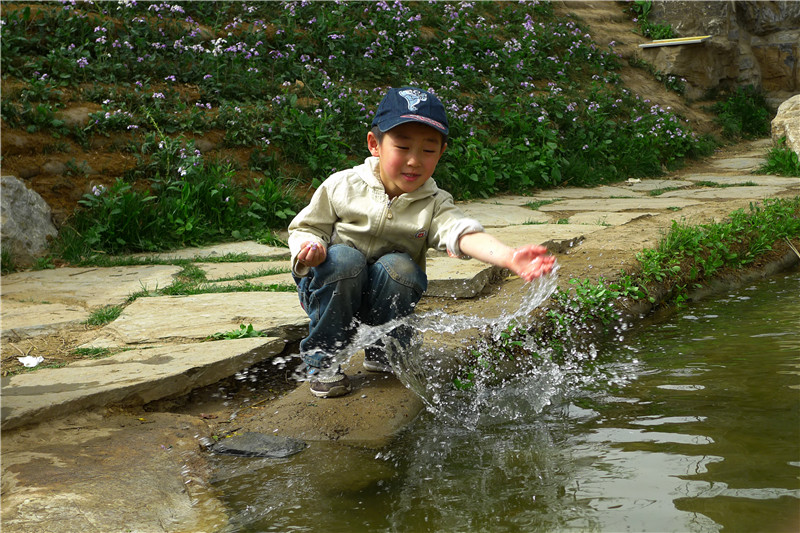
[(358, 249)]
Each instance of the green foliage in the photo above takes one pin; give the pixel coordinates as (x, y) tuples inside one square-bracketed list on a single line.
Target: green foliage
[(190, 201), (692, 254), (92, 353), (641, 10), (7, 262), (684, 258), (104, 315), (533, 103), (744, 113), (781, 160), (243, 332)]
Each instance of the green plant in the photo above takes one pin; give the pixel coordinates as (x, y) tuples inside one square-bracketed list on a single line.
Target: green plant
[(104, 315), (92, 353), (242, 333), (781, 160), (744, 113), (43, 263), (684, 258), (641, 10), (7, 262)]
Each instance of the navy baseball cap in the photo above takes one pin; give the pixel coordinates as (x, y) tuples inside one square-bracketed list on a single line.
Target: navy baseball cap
[(409, 104)]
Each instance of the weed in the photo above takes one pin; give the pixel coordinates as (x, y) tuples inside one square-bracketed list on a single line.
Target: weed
[(92, 353), (104, 315), (744, 113), (659, 192), (781, 160), (7, 263), (242, 333), (641, 10), (536, 204), (43, 263)]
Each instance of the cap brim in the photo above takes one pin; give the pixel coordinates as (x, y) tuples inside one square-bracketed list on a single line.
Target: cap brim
[(386, 125)]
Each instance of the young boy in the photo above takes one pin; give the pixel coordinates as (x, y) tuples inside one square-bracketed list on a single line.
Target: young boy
[(358, 249)]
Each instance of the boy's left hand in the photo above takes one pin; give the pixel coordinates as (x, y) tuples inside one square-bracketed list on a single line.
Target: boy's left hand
[(531, 261)]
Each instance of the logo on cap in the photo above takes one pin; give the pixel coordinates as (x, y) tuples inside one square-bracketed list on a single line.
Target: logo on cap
[(413, 97)]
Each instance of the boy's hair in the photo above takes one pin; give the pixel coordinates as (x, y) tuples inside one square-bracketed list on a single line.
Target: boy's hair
[(376, 131)]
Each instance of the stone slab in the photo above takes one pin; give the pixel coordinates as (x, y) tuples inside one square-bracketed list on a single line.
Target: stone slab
[(28, 319), (605, 218), (728, 193), (102, 473), (216, 271), (151, 321), (450, 277), (519, 200), (251, 444), (646, 185), (132, 377), (619, 204), (91, 286), (274, 279), (378, 407), (550, 235), (604, 191), (760, 179), (250, 248), (739, 163), (498, 215)]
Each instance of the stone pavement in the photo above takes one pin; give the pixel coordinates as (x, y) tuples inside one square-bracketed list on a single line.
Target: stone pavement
[(161, 343)]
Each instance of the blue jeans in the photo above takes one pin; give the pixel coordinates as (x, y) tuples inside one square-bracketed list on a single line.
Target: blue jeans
[(345, 290)]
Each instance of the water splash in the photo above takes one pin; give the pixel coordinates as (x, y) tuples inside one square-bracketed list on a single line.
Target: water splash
[(439, 341)]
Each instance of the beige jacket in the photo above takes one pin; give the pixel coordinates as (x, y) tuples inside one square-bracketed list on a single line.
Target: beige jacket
[(351, 207)]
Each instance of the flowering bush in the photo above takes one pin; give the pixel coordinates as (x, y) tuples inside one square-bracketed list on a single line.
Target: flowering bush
[(533, 101)]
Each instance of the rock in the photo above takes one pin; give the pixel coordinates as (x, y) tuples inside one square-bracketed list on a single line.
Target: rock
[(77, 116), (259, 445), (205, 145), (787, 123), (54, 166), (26, 222), (753, 43)]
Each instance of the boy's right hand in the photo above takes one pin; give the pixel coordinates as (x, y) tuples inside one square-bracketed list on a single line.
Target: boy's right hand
[(312, 254)]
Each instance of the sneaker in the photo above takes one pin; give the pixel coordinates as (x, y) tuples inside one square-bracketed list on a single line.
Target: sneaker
[(331, 386), (375, 360)]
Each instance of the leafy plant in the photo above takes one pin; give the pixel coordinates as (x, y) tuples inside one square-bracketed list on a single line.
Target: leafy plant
[(641, 9), (242, 333), (781, 160), (744, 113)]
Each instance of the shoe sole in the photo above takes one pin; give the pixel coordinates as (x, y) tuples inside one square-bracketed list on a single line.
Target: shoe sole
[(375, 366), (333, 392)]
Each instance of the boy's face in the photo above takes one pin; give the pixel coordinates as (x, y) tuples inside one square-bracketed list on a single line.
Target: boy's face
[(408, 156)]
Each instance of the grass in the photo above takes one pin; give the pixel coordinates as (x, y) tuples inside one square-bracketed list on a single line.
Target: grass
[(684, 259), (104, 315), (534, 103)]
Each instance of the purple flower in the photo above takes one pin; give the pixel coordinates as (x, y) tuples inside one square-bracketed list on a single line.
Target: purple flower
[(82, 62)]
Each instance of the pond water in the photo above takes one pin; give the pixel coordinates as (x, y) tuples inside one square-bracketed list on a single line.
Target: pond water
[(699, 431)]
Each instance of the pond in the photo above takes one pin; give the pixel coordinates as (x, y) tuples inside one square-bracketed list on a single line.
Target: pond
[(699, 431)]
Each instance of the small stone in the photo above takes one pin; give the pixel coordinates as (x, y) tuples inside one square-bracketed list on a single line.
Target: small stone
[(259, 445)]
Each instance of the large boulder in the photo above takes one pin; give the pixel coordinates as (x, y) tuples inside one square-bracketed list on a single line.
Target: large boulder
[(787, 123), (752, 43), (25, 222)]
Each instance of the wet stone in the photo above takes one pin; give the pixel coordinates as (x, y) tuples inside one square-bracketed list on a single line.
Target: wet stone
[(259, 445)]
